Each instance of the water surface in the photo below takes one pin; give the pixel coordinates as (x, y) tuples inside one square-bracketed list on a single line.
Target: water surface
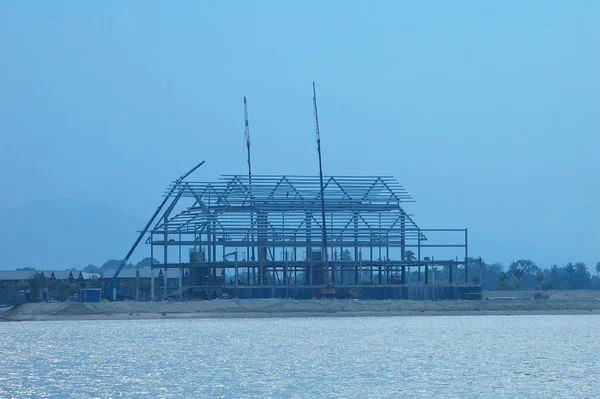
[(379, 357)]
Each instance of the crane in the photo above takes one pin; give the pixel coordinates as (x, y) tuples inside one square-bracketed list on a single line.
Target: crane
[(247, 137), (329, 289), (109, 290)]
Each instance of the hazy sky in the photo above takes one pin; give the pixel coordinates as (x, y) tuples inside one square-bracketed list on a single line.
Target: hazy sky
[(487, 112)]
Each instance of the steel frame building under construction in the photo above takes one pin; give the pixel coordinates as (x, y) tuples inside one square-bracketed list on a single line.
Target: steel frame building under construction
[(301, 237), (260, 236)]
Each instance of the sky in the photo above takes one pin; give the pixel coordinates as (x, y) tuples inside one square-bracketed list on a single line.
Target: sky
[(486, 112)]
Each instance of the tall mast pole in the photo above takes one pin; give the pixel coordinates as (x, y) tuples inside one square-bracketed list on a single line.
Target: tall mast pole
[(325, 259), (247, 137)]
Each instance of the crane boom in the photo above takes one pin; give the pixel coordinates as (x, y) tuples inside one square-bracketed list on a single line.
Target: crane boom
[(325, 260), (247, 137), (111, 283), (247, 131)]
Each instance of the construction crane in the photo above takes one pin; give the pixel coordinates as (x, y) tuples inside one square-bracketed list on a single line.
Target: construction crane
[(110, 287), (329, 289), (247, 137)]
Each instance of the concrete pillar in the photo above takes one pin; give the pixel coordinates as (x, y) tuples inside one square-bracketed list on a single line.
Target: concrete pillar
[(181, 283), (137, 284), (152, 284), (165, 279)]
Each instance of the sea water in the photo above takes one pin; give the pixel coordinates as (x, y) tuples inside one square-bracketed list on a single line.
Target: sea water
[(365, 357)]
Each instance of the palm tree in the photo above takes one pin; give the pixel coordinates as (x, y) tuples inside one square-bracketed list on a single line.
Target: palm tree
[(582, 276), (597, 268), (409, 255)]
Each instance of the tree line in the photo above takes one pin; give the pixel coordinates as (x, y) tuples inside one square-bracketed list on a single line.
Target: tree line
[(109, 264), (115, 263), (522, 274), (525, 274)]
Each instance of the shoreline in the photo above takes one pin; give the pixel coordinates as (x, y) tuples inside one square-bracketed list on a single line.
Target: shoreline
[(190, 316), (233, 309)]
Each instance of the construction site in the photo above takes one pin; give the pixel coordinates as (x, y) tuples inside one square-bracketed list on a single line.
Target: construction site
[(299, 237)]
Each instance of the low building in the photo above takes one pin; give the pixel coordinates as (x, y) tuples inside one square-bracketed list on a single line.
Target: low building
[(173, 281), (63, 275), (128, 280), (134, 283), (90, 276), (70, 276), (9, 280)]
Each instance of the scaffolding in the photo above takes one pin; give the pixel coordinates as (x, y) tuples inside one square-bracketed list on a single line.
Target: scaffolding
[(261, 237)]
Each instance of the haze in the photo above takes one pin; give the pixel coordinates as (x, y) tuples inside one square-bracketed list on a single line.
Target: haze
[(486, 112)]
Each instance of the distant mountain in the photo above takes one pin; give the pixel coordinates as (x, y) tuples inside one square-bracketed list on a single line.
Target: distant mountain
[(65, 233)]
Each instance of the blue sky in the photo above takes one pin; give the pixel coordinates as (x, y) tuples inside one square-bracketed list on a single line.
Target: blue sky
[(487, 112)]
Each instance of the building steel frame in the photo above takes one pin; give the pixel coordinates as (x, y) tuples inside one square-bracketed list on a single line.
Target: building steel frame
[(265, 233)]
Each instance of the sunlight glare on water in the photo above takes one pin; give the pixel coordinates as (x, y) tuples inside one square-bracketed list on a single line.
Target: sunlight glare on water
[(381, 357)]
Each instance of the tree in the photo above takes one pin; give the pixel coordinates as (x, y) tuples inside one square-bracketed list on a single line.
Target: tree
[(490, 275), (539, 277), (503, 278), (554, 273), (527, 266), (94, 282), (409, 255), (92, 269), (346, 255), (517, 273), (26, 269), (570, 271), (523, 272), (111, 264), (61, 290), (37, 283), (582, 278), (114, 264), (555, 278), (598, 269), (475, 278), (145, 263), (243, 277)]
